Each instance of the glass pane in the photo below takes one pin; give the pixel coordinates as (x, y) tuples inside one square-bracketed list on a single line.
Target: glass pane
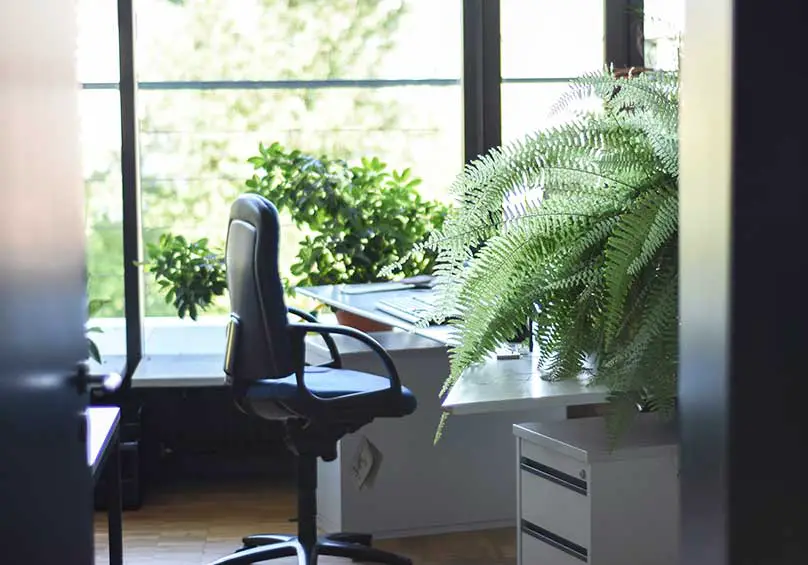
[(298, 40), (194, 147), (551, 38), (196, 137), (101, 154), (526, 108), (664, 24), (98, 41)]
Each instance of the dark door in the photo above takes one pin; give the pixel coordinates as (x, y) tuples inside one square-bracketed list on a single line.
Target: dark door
[(45, 484)]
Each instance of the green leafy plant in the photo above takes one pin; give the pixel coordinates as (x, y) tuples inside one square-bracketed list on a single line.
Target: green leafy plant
[(575, 227), (93, 307), (358, 218), (190, 273)]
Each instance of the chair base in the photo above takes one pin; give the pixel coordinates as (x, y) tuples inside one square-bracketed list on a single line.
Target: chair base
[(357, 547), (309, 442), (347, 537)]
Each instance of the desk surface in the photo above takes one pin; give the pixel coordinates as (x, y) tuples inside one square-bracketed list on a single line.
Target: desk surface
[(196, 369), (494, 386), (365, 305), (102, 425), (500, 386)]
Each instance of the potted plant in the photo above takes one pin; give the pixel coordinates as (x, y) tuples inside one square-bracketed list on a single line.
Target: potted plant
[(576, 228), (357, 220), (190, 273), (94, 305)]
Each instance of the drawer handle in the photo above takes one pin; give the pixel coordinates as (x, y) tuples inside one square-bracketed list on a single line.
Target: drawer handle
[(554, 475), (555, 541)]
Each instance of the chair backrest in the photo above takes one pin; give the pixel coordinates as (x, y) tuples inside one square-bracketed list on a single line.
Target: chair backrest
[(258, 341)]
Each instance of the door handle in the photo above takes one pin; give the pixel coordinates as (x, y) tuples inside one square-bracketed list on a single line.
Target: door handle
[(83, 380)]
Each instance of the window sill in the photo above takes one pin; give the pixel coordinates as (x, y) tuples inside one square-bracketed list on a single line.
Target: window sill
[(166, 336)]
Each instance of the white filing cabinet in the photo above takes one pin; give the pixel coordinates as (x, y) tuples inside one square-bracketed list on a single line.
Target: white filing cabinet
[(580, 502)]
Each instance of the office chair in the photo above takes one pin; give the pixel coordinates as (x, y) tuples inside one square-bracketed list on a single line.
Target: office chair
[(266, 368)]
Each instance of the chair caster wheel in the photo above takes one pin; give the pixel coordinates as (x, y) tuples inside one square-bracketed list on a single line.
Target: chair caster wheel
[(349, 537)]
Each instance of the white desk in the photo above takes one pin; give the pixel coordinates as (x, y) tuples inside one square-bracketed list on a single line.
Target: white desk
[(495, 386), (505, 386), (103, 456), (421, 488), (192, 355)]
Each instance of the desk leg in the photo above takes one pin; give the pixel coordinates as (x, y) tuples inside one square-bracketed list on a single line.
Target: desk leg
[(114, 505)]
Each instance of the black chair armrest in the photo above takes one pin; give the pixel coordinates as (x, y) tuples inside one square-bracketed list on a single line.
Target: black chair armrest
[(322, 329), (336, 359), (302, 314)]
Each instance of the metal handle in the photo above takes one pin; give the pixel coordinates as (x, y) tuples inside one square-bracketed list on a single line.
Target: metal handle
[(83, 380)]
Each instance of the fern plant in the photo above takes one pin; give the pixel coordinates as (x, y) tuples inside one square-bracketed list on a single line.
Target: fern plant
[(575, 227)]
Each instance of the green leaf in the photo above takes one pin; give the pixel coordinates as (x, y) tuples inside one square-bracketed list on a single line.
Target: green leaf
[(95, 305), (93, 351)]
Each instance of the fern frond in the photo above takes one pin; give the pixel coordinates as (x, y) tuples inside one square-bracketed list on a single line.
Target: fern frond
[(656, 326), (642, 230), (663, 227)]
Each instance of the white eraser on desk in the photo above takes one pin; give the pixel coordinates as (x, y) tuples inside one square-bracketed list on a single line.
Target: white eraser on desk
[(504, 353)]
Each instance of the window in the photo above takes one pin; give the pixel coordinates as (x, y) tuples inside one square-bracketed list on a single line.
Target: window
[(97, 56), (101, 153), (663, 28), (350, 78), (544, 44)]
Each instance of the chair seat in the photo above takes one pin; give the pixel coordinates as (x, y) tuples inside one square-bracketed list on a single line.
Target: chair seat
[(330, 383)]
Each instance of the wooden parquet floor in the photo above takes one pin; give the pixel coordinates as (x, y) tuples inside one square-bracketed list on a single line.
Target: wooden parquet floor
[(199, 523)]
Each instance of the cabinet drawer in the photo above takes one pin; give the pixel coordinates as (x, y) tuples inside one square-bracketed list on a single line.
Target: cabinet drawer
[(536, 551), (554, 459), (555, 501)]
